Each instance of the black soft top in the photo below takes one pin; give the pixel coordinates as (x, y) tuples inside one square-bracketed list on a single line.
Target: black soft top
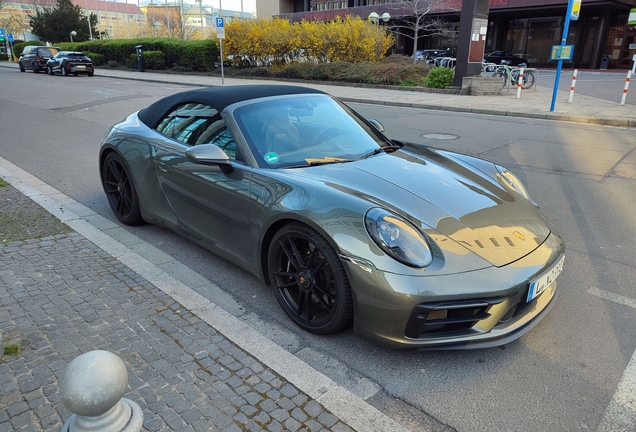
[(216, 97)]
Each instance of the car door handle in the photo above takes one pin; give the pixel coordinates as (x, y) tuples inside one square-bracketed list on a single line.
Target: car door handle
[(163, 167)]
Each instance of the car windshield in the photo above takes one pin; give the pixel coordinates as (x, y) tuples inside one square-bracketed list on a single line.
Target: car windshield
[(306, 130), (76, 56)]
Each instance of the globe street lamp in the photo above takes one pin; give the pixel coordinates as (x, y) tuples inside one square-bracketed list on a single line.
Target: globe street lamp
[(375, 18), (73, 33)]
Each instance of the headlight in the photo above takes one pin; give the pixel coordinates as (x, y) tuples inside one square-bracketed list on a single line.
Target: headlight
[(398, 238), (511, 180)]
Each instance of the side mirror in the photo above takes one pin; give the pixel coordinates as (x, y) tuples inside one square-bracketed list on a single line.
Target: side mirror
[(208, 154), (377, 124)]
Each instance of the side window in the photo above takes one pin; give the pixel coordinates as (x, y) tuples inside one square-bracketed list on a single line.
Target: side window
[(195, 124), (217, 133)]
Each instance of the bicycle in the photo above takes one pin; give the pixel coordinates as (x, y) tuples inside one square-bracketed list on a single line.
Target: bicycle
[(511, 76)]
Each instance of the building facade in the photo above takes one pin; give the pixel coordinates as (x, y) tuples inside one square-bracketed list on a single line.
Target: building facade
[(114, 19), (602, 37)]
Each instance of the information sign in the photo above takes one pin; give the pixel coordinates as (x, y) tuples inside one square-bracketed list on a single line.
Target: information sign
[(220, 27), (576, 9), (10, 38), (1, 35), (561, 52)]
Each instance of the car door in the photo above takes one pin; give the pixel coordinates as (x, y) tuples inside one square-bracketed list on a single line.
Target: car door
[(55, 62), (211, 203)]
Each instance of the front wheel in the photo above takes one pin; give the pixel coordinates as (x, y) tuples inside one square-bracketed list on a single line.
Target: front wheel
[(309, 280), (50, 70), (21, 67), (120, 190), (63, 70)]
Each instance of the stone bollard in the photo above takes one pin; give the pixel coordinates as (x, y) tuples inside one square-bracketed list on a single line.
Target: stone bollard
[(92, 388)]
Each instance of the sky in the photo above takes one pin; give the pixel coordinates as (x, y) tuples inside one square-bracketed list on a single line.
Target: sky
[(235, 5)]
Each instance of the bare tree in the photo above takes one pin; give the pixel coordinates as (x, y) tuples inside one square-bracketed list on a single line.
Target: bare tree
[(416, 18)]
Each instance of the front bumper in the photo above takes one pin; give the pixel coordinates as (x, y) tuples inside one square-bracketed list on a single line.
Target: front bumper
[(393, 308)]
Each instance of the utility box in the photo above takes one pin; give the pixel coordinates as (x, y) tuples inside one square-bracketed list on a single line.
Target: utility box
[(140, 57), (605, 61)]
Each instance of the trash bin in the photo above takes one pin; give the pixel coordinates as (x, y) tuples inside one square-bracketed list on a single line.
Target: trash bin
[(605, 61), (140, 57)]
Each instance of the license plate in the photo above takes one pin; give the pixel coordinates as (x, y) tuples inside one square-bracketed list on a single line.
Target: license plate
[(81, 67), (539, 285)]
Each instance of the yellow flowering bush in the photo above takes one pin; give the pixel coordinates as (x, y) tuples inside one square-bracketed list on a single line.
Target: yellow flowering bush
[(277, 42)]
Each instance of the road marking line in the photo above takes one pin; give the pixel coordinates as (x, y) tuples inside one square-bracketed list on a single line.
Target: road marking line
[(620, 414), (353, 410), (616, 298)]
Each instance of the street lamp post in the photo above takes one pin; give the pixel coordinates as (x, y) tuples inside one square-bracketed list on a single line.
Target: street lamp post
[(168, 19), (73, 33), (155, 26), (90, 30), (201, 14)]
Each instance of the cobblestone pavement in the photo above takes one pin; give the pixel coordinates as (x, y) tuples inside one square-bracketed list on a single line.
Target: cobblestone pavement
[(61, 296)]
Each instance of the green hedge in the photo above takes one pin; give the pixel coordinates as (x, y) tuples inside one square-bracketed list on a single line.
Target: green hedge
[(193, 55), (152, 60), (440, 77), (98, 59)]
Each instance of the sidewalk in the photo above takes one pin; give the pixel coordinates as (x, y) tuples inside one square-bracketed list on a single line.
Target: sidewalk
[(534, 103), (191, 365)]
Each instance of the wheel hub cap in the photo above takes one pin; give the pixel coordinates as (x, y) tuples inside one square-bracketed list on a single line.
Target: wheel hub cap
[(120, 188), (305, 280)]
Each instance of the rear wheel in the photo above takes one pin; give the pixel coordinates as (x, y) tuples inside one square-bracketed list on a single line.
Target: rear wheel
[(120, 190), (528, 80), (35, 68), (309, 280), (21, 67), (90, 74)]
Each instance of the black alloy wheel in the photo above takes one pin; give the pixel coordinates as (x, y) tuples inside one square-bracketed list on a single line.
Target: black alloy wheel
[(50, 70), (21, 67), (309, 280), (35, 67), (63, 70), (120, 190)]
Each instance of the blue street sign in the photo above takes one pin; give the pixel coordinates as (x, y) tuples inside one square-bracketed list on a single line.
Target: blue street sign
[(10, 37), (220, 22), (1, 35)]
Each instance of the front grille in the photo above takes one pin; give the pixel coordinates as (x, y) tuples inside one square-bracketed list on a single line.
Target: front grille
[(447, 317)]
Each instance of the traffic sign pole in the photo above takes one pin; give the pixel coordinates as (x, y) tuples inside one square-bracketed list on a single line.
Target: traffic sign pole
[(566, 28)]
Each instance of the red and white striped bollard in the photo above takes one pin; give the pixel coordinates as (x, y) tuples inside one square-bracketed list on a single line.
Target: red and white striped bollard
[(629, 76), (519, 83), (573, 84)]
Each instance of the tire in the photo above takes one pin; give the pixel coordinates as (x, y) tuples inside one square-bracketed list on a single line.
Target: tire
[(50, 70), (63, 70), (75, 74), (528, 80), (120, 190), (90, 74), (36, 69), (21, 67), (503, 76), (309, 280)]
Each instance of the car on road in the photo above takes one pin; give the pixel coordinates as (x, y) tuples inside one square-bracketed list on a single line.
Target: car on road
[(426, 249), (35, 57), (496, 56), (70, 63)]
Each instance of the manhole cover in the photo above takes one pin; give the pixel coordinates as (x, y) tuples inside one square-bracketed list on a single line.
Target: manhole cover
[(440, 136)]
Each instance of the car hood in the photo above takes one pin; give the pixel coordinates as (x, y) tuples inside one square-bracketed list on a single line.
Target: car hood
[(452, 198)]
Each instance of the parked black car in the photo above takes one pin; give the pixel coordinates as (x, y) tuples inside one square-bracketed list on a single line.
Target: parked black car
[(70, 62), (496, 56), (34, 57)]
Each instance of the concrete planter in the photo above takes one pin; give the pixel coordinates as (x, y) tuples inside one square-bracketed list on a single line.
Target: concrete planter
[(481, 86)]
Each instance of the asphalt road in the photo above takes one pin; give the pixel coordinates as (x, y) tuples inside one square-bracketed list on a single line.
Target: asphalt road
[(559, 377), (603, 85)]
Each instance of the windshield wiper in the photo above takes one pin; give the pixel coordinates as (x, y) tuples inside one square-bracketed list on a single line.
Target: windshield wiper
[(373, 153), (320, 161)]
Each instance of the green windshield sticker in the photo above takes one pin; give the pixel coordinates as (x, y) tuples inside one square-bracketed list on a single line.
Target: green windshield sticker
[(271, 157)]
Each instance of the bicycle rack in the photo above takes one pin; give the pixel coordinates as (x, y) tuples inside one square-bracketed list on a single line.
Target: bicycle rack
[(493, 68)]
